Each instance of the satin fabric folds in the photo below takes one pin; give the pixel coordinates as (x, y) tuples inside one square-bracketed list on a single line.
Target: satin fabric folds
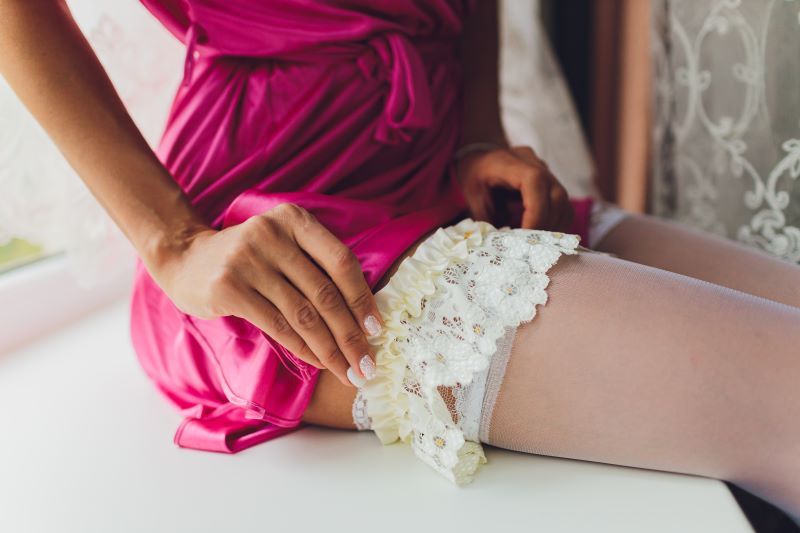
[(350, 109)]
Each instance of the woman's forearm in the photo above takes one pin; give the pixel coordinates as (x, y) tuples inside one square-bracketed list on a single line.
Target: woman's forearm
[(479, 52), (51, 67)]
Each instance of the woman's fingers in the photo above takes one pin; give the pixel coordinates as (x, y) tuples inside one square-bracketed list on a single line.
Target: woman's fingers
[(545, 201), (535, 191), (478, 196), (306, 320), (260, 312), (343, 267), (342, 302), (270, 259), (508, 169), (559, 210), (479, 202), (326, 297)]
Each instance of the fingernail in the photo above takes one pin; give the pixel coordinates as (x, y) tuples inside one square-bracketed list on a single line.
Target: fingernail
[(355, 379), (372, 325), (367, 366)]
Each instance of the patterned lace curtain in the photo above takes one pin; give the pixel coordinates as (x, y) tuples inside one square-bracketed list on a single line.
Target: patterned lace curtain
[(726, 152)]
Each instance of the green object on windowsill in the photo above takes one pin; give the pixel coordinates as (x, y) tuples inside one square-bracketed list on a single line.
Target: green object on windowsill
[(18, 252)]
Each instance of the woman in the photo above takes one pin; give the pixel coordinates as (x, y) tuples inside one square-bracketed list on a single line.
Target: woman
[(320, 152)]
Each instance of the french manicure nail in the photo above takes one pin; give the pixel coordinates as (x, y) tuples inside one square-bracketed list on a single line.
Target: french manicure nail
[(355, 379), (367, 367), (372, 325)]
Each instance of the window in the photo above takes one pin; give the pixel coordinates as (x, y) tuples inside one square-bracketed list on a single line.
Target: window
[(41, 198), (18, 252)]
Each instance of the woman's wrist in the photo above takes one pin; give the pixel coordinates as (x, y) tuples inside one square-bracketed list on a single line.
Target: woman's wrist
[(166, 246)]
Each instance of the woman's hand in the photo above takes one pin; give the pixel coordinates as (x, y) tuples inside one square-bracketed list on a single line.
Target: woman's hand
[(289, 276), (545, 204)]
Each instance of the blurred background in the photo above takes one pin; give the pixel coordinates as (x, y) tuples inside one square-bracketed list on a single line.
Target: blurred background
[(692, 108)]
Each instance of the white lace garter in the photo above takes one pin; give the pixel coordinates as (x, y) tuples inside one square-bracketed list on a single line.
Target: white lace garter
[(445, 309)]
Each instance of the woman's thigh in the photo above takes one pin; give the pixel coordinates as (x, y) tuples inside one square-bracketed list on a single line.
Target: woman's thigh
[(678, 248), (634, 365)]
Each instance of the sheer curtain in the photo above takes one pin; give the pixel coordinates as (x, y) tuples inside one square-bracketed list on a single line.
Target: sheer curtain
[(45, 202), (536, 104), (727, 119)]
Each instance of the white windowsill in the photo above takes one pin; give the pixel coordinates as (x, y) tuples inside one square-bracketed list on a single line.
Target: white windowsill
[(39, 298)]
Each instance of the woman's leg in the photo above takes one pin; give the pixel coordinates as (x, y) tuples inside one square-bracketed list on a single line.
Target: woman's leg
[(678, 248), (634, 365)]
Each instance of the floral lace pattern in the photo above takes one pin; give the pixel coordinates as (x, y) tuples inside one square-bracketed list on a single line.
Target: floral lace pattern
[(360, 416), (445, 309)]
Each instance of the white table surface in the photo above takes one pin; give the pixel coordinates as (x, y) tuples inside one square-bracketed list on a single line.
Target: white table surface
[(86, 445)]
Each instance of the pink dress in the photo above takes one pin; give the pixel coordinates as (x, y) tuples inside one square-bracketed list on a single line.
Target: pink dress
[(350, 109)]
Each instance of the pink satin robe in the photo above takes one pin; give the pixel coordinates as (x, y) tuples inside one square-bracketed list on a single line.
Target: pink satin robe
[(351, 109)]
